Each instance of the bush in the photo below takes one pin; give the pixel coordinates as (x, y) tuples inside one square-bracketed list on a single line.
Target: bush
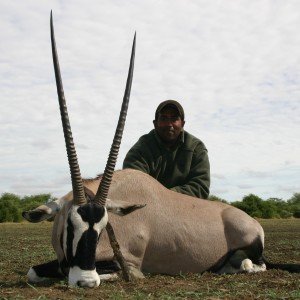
[(271, 208), (294, 204), (9, 211)]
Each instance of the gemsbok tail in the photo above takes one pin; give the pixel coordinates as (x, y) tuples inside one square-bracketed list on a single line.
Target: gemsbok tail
[(292, 268)]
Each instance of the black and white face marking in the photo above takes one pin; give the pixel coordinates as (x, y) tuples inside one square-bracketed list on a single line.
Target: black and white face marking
[(82, 230)]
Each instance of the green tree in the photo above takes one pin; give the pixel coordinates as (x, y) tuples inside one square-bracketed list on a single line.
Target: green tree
[(251, 204), (10, 209), (269, 210), (257, 207), (294, 205), (295, 199), (281, 208)]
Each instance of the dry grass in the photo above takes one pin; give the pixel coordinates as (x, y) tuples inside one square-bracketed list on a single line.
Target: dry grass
[(23, 245)]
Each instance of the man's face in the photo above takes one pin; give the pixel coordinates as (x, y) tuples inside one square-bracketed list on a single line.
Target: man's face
[(168, 125)]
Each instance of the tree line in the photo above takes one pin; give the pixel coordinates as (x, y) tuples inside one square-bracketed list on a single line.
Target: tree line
[(11, 206), (271, 208)]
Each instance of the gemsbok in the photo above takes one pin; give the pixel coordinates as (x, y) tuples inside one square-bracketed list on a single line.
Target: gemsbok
[(160, 231)]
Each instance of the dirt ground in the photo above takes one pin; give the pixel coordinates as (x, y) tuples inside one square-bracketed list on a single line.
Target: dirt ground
[(23, 245)]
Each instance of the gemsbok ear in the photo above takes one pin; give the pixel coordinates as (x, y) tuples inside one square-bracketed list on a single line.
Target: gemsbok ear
[(43, 212), (121, 208)]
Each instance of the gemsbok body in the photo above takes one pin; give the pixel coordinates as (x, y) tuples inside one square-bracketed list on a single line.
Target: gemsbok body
[(158, 230)]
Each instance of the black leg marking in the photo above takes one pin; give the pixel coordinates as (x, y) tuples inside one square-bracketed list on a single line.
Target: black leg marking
[(292, 268), (255, 252), (221, 263), (48, 270), (107, 267)]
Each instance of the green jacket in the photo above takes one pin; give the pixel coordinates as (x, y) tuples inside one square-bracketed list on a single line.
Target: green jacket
[(184, 169)]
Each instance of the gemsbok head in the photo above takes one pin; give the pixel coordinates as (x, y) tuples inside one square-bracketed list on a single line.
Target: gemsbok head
[(86, 215)]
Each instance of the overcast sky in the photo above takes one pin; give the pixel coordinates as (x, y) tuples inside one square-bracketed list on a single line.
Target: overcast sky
[(234, 65)]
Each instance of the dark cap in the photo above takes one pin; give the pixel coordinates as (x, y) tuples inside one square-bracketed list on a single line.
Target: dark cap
[(171, 103)]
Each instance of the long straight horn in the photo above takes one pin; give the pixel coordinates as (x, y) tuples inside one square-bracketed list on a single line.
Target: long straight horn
[(102, 192), (78, 191)]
